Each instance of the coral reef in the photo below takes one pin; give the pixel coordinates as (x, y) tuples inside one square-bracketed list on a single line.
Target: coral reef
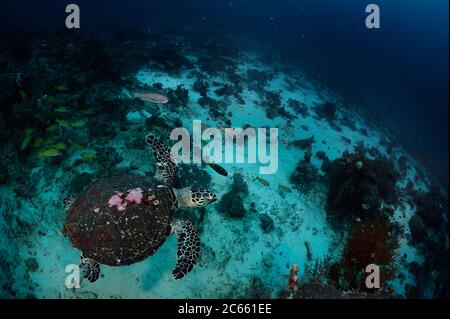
[(298, 107), (303, 144), (201, 87), (232, 205), (318, 291), (429, 232), (70, 114), (327, 111), (368, 243), (168, 59), (178, 98), (305, 174), (217, 108), (359, 187)]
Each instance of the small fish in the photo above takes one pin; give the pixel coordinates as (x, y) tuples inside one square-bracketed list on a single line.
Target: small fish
[(49, 98), (63, 123), (219, 169), (61, 109), (60, 146), (61, 88), (78, 123), (38, 142), (284, 188), (48, 141), (77, 146), (88, 111), (26, 141), (262, 181), (29, 131), (88, 155), (52, 128), (52, 152), (152, 97)]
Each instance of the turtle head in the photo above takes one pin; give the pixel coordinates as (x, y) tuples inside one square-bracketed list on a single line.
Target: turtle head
[(195, 197)]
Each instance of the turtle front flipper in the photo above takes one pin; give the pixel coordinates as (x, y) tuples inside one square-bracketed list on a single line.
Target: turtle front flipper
[(165, 168), (68, 201), (188, 247), (90, 269)]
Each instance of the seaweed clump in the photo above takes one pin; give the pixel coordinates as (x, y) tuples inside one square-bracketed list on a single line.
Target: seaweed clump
[(273, 107), (178, 97), (298, 107), (305, 174), (231, 203), (201, 87), (169, 60), (304, 144), (327, 111), (216, 108)]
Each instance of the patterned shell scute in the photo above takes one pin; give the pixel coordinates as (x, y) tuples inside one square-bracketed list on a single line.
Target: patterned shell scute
[(110, 227)]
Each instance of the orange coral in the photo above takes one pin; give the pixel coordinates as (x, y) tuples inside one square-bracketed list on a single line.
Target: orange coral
[(369, 243), (293, 278)]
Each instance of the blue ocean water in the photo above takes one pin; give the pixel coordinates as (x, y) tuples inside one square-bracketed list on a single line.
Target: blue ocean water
[(362, 117)]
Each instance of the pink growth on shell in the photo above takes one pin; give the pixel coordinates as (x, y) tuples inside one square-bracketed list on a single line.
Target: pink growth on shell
[(134, 195), (115, 200)]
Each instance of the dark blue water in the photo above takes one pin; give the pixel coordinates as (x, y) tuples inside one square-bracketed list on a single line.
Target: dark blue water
[(400, 71)]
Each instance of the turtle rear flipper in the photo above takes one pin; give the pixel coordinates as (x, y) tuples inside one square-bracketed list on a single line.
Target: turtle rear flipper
[(165, 168), (188, 248), (90, 269)]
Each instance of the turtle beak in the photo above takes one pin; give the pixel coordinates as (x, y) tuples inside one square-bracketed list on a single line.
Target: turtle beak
[(213, 198)]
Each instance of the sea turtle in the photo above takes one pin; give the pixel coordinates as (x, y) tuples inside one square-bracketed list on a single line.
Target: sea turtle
[(123, 219)]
